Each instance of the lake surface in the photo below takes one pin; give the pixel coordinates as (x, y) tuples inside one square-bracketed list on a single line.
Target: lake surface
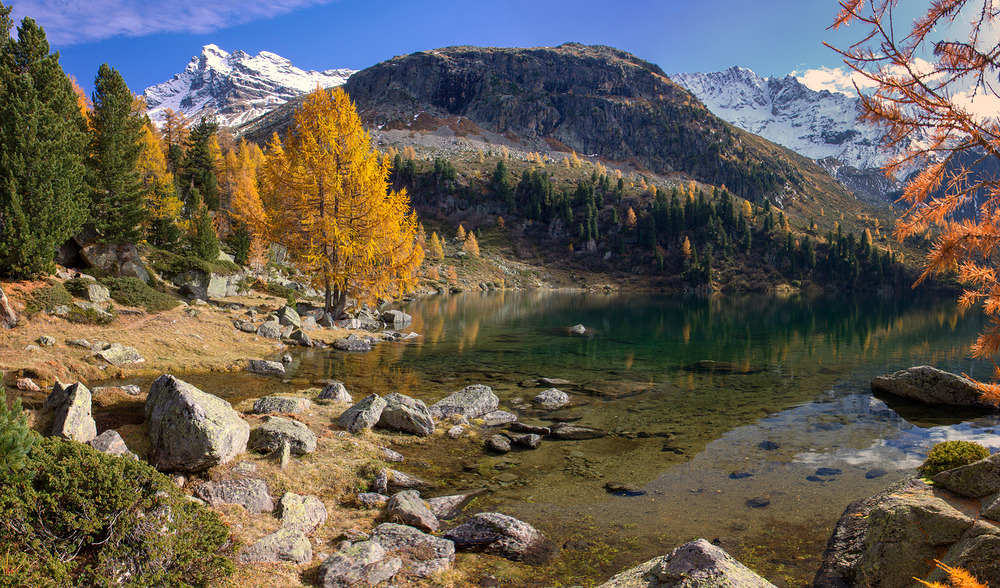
[(747, 420)]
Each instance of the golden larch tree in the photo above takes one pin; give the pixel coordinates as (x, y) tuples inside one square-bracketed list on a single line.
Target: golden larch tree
[(338, 216), (471, 245), (928, 74), (435, 248), (460, 234), (158, 183)]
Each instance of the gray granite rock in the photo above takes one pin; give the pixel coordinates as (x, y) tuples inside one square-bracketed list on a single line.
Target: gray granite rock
[(501, 535), (190, 430), (284, 545), (270, 330), (288, 316), (281, 404), (405, 414), (111, 443), (697, 564), (975, 480), (266, 368), (304, 513), (119, 355), (498, 418), (931, 385), (470, 402), (250, 493), (335, 391), (566, 431), (363, 415), (277, 430), (72, 406), (352, 345), (552, 399), (412, 543), (408, 508)]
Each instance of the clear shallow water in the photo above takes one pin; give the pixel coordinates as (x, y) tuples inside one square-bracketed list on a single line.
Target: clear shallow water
[(787, 394)]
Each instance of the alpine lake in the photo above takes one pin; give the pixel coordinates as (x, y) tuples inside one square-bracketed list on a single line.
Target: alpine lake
[(748, 421)]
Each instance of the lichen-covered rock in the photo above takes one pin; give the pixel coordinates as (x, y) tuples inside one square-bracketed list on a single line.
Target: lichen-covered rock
[(352, 345), (449, 507), (498, 418), (207, 286), (697, 564), (270, 329), (408, 508), (111, 443), (411, 543), (470, 402), (250, 493), (501, 535), (304, 513), (266, 368), (397, 480), (335, 391), (498, 444), (190, 430), (285, 544), (931, 385), (118, 355), (73, 418), (277, 430), (363, 415), (887, 540), (402, 413), (281, 404), (975, 480), (396, 318), (288, 317), (300, 337), (362, 564)]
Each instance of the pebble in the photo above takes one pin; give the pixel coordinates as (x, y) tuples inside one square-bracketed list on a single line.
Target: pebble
[(758, 502)]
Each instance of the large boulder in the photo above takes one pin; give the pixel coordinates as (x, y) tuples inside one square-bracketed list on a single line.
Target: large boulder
[(402, 413), (250, 493), (552, 399), (265, 367), (118, 355), (207, 286), (111, 443), (335, 391), (396, 318), (931, 385), (501, 535), (276, 431), (893, 537), (363, 415), (270, 330), (120, 261), (697, 564), (975, 480), (470, 402), (288, 317), (73, 418), (190, 430), (411, 543)]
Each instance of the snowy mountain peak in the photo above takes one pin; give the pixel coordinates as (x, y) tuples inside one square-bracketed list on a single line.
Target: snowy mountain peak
[(818, 125), (235, 87)]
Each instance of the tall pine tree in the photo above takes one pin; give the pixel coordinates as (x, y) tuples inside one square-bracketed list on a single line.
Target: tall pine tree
[(116, 206), (42, 142), (197, 178)]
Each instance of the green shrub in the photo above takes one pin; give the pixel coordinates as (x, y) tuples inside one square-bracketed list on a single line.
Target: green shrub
[(16, 440), (83, 518), (135, 292), (276, 289), (90, 316), (951, 454), (77, 286), (46, 298), (171, 264)]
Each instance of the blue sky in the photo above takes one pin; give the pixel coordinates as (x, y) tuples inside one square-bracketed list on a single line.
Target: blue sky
[(149, 41)]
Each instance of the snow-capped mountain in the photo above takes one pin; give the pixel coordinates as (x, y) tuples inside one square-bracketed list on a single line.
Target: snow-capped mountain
[(814, 124), (820, 125), (235, 87)]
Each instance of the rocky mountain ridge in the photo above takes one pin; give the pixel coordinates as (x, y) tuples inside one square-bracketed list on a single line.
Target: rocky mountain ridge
[(820, 125), (236, 87)]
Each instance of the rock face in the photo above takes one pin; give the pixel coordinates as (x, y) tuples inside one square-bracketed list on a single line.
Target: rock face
[(470, 402), (250, 493), (887, 540), (501, 535), (931, 385), (362, 415), (190, 430), (276, 431), (120, 261), (72, 419), (697, 564), (402, 413), (411, 543)]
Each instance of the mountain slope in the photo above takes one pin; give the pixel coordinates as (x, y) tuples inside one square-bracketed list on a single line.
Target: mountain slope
[(820, 125), (235, 87)]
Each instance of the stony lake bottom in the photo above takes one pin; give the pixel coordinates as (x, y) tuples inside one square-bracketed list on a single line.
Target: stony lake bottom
[(748, 420)]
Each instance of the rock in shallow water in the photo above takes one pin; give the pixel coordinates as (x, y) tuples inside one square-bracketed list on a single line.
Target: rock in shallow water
[(697, 564)]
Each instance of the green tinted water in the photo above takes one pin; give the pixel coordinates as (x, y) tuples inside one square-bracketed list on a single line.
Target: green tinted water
[(709, 403)]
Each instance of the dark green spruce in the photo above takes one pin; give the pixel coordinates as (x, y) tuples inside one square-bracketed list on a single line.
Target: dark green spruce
[(116, 201), (197, 178), (42, 140)]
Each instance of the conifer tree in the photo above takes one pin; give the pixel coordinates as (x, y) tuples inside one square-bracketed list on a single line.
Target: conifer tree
[(42, 142), (471, 245), (337, 214), (116, 207), (160, 193), (197, 178), (460, 234), (16, 440), (436, 250)]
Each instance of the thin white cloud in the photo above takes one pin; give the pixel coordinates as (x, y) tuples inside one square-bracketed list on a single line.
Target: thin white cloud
[(834, 79), (70, 22)]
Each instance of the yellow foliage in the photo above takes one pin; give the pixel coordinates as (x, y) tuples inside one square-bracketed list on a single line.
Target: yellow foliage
[(471, 245), (452, 275), (630, 219), (436, 249), (175, 127), (957, 578), (686, 249), (575, 160), (246, 206), (747, 209), (338, 217), (500, 222), (409, 152), (460, 234), (157, 181)]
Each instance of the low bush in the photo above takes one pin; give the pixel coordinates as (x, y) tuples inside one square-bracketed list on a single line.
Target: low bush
[(83, 518), (171, 264), (48, 297), (90, 316), (135, 292), (951, 454)]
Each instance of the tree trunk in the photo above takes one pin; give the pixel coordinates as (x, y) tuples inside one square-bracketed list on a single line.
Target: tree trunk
[(8, 318), (335, 301)]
